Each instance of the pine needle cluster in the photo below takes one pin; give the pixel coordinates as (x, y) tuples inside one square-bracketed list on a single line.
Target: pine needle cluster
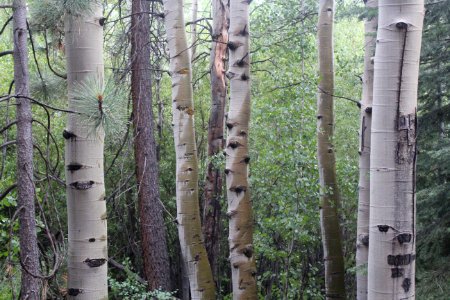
[(101, 106), (50, 13)]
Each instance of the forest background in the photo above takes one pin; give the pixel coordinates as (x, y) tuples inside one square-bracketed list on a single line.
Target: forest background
[(283, 167)]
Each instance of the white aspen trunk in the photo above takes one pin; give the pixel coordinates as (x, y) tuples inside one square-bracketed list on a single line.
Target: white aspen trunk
[(86, 205), (362, 241), (188, 212), (240, 212), (393, 151), (29, 252), (329, 203), (194, 13)]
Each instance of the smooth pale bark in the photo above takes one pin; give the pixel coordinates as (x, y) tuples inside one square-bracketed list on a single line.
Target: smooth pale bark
[(86, 205), (240, 213), (29, 253), (362, 241), (153, 232), (194, 11), (329, 199), (216, 141), (188, 212), (393, 150)]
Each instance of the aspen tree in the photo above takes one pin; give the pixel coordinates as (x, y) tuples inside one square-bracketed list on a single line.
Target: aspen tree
[(242, 258), (86, 205), (29, 253), (331, 232), (188, 212), (213, 184), (362, 241), (153, 232), (393, 151)]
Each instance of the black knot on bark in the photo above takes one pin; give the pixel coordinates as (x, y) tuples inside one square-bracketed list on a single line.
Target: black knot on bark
[(91, 240), (401, 25), (383, 228), (82, 185), (102, 21), (399, 260), (248, 251), (247, 159), (229, 126), (365, 240), (68, 135), (245, 77), (368, 110), (232, 46), (95, 262), (227, 171), (74, 292), (238, 189), (396, 272), (233, 144), (406, 284), (404, 238), (244, 31), (74, 167)]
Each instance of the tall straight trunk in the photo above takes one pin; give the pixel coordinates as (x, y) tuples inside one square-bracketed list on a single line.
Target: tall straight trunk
[(393, 157), (242, 259), (213, 184), (153, 232), (86, 205), (194, 13), (188, 212), (329, 200), (29, 253), (362, 241)]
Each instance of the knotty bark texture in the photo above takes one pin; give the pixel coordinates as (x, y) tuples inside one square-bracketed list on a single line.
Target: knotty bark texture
[(393, 151), (29, 253), (329, 200), (86, 205), (216, 141), (362, 241), (188, 212), (240, 211), (153, 232)]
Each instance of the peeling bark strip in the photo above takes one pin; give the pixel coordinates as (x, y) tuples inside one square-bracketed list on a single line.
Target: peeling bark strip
[(216, 142), (329, 198), (391, 267), (152, 228), (238, 193), (188, 212), (406, 144), (362, 244), (29, 253), (85, 185)]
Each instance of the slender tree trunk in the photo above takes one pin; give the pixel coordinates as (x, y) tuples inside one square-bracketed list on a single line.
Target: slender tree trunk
[(194, 12), (188, 212), (362, 241), (29, 253), (393, 155), (329, 217), (242, 259), (213, 184), (86, 205), (153, 232)]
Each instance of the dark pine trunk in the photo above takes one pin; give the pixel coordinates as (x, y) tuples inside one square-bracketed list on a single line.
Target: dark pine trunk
[(213, 186), (153, 233), (29, 253)]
